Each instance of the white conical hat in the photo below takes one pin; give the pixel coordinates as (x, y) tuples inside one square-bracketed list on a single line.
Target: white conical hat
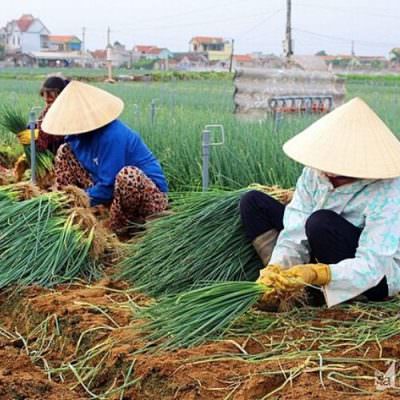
[(349, 141), (81, 108)]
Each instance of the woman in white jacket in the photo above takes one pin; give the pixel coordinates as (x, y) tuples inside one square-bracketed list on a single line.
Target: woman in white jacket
[(341, 231)]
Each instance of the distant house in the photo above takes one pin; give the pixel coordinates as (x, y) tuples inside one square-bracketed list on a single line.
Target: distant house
[(158, 53), (355, 62), (243, 60), (215, 48), (189, 61), (373, 61), (141, 51), (99, 58), (117, 53), (150, 52), (25, 35), (64, 43), (120, 56)]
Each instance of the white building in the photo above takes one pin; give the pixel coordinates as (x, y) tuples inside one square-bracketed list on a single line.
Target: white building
[(25, 35)]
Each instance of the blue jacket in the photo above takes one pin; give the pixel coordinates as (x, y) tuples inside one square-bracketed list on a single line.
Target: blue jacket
[(105, 151)]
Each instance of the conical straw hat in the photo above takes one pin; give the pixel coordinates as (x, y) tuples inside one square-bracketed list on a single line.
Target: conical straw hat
[(81, 108), (350, 141)]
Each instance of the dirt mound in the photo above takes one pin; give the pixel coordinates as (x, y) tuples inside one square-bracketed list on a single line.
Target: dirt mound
[(21, 380), (82, 337)]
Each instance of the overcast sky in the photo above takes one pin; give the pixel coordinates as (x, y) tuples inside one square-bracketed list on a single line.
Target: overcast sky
[(256, 25)]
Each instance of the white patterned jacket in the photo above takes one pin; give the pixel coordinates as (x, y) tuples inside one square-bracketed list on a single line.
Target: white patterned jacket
[(373, 206)]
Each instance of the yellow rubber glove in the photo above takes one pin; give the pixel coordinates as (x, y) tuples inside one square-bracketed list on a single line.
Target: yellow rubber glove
[(301, 275), (268, 276), (24, 137), (291, 280)]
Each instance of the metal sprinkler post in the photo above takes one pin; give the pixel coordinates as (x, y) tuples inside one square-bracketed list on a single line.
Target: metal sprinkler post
[(206, 144), (153, 111), (32, 126), (136, 110)]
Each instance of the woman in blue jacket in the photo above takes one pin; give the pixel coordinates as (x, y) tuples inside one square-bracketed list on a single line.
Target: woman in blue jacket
[(103, 156)]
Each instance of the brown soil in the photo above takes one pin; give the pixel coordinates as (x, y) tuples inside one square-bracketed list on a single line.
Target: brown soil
[(20, 379), (72, 322)]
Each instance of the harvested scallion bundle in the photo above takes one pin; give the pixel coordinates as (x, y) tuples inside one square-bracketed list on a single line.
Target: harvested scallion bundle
[(44, 161), (14, 120), (202, 241), (39, 244), (191, 318)]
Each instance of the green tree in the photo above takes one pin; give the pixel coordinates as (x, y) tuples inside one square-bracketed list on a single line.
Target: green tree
[(395, 55), (2, 51)]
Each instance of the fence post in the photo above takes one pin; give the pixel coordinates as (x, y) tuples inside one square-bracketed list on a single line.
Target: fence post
[(153, 111), (206, 159), (206, 146), (32, 124)]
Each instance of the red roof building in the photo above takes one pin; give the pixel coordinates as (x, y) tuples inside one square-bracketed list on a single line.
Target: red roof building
[(25, 22), (151, 52), (25, 35), (144, 49), (214, 47), (100, 55), (64, 43), (207, 39), (243, 58)]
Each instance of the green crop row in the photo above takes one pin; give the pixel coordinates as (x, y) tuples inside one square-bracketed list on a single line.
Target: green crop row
[(181, 109)]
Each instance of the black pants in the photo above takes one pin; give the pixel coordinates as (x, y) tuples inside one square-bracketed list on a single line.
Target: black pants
[(331, 237)]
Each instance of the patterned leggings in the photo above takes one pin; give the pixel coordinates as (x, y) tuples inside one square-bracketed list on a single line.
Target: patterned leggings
[(135, 195)]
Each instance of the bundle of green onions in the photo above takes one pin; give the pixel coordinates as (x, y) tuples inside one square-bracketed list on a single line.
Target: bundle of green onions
[(191, 318), (39, 243), (203, 241), (13, 120), (44, 161)]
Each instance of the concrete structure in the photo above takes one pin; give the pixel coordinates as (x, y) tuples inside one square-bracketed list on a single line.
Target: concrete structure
[(309, 63), (255, 88), (25, 35), (216, 48)]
